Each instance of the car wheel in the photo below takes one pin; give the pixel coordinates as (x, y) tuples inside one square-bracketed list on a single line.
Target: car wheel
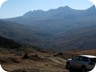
[(83, 69), (68, 66)]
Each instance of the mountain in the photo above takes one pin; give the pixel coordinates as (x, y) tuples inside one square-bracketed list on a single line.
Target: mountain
[(58, 29), (22, 34), (61, 12), (8, 43), (55, 19)]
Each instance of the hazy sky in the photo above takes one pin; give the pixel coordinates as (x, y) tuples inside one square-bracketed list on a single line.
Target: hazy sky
[(13, 8)]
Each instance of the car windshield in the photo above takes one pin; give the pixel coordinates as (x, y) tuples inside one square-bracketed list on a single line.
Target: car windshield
[(93, 59)]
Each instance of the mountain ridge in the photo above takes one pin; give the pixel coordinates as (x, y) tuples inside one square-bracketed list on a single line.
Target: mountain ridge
[(60, 29)]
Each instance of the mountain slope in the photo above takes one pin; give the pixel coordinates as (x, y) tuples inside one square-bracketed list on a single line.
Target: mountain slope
[(56, 20), (58, 29), (22, 34), (8, 43)]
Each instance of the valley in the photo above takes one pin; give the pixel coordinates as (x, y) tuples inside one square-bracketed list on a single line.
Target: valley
[(58, 29), (42, 41)]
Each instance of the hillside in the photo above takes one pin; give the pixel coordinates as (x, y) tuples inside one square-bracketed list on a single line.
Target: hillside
[(58, 29), (8, 43), (22, 34), (38, 61)]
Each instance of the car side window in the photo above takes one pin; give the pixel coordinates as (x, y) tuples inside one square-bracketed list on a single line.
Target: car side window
[(76, 58), (84, 59)]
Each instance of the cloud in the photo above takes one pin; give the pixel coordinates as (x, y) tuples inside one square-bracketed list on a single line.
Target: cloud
[(2, 2), (93, 1)]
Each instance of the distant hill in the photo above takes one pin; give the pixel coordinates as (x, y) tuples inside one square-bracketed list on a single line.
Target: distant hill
[(62, 14), (57, 29), (8, 43), (23, 34)]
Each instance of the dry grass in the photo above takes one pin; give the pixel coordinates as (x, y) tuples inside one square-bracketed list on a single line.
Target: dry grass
[(38, 61), (35, 62)]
